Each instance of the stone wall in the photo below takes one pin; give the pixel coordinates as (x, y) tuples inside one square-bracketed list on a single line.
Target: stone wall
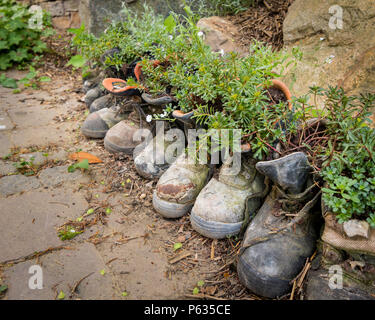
[(97, 14), (65, 13)]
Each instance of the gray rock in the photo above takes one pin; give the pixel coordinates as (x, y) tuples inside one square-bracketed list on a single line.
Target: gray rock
[(318, 288), (18, 183), (55, 8), (219, 34), (289, 172), (95, 14), (343, 57), (354, 228)]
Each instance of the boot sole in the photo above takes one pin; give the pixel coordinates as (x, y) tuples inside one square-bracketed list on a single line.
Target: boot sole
[(112, 148), (93, 134), (170, 209), (214, 229)]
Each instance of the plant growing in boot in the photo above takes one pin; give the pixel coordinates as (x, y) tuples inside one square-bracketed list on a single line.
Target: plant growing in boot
[(350, 170), (340, 145)]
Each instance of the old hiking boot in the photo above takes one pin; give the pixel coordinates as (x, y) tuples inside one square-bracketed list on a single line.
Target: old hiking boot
[(152, 161), (223, 204), (98, 123), (93, 94), (121, 137), (284, 231), (103, 102), (178, 187)]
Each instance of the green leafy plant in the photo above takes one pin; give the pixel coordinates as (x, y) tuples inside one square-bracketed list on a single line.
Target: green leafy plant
[(224, 90), (20, 39), (68, 232), (25, 167), (349, 169), (341, 150), (84, 165)]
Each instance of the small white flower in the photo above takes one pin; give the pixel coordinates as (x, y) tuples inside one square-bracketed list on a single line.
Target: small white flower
[(149, 118), (222, 52), (200, 34), (330, 59), (170, 37), (72, 231), (321, 39)]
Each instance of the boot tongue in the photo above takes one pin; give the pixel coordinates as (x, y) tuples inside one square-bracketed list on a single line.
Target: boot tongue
[(289, 172), (239, 175)]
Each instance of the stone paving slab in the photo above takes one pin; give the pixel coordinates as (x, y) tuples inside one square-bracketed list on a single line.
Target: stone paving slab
[(17, 183), (61, 271), (30, 116), (50, 177), (5, 143), (41, 158), (5, 122), (53, 177), (42, 136), (139, 267), (28, 221), (6, 168)]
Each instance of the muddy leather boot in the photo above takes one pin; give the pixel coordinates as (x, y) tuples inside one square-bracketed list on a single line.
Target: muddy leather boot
[(98, 123), (120, 138), (93, 94), (178, 187), (103, 102), (94, 80), (284, 231), (222, 207), (276, 246), (289, 172), (146, 162)]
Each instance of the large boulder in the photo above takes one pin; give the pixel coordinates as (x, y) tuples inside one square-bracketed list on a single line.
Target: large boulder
[(332, 56), (220, 34)]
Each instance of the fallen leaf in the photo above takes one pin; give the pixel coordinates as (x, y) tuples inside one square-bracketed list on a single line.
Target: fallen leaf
[(124, 294), (177, 246), (200, 283), (61, 295), (84, 156)]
